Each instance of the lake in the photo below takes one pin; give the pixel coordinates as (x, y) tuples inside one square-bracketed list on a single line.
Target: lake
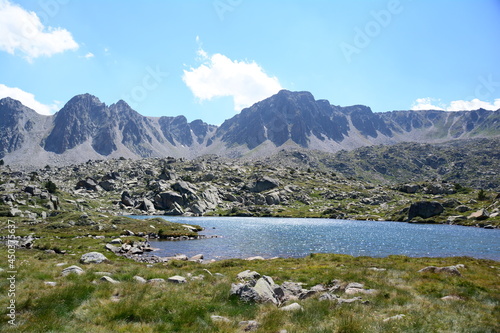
[(243, 237)]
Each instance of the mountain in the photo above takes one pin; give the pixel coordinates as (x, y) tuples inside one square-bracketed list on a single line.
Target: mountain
[(85, 128)]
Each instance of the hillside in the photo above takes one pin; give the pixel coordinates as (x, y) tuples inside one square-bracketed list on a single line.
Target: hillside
[(85, 128)]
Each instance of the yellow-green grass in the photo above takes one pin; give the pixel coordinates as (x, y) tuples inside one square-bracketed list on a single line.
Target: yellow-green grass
[(78, 304)]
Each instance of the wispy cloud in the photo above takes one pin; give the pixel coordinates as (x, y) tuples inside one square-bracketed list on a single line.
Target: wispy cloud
[(28, 100), (22, 32), (428, 103), (217, 76), (89, 55)]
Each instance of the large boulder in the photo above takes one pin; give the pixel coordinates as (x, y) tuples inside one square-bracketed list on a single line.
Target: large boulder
[(425, 209), (168, 200), (263, 291), (127, 200), (89, 184), (264, 183)]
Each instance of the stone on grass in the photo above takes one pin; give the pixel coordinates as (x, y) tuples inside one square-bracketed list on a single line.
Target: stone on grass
[(93, 258), (451, 270), (72, 269), (109, 279), (249, 325), (452, 298), (177, 279), (248, 275), (139, 279), (219, 319), (292, 307), (156, 281), (396, 317), (50, 283)]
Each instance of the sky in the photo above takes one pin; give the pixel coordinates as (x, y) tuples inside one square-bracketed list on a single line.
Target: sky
[(210, 59)]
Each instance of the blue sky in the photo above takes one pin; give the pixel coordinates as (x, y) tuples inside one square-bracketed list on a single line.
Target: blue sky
[(208, 59)]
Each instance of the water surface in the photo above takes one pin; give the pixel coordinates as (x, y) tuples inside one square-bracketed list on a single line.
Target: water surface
[(243, 237)]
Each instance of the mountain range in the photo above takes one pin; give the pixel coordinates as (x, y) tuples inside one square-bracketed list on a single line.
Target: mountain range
[(85, 128)]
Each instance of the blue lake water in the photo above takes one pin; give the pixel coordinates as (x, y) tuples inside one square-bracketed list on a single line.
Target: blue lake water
[(243, 237)]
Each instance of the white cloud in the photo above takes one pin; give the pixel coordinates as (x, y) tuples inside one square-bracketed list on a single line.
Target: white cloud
[(473, 105), (89, 55), (428, 103), (425, 103), (245, 82), (28, 100), (22, 31)]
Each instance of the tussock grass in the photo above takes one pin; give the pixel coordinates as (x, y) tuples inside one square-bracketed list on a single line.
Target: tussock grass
[(81, 303)]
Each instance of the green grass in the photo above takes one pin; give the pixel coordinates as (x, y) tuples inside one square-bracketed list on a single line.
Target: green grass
[(77, 304)]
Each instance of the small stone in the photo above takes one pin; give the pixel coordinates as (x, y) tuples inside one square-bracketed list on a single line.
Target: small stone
[(156, 281), (139, 279), (249, 325), (396, 317), (452, 298), (106, 278), (50, 283), (219, 319), (72, 269), (255, 258), (177, 279), (292, 307)]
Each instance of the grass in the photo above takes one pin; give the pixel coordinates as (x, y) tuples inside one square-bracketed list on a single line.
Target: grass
[(79, 304)]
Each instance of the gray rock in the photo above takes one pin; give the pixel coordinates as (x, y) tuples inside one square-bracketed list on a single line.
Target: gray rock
[(481, 214), (396, 317), (108, 279), (219, 319), (93, 258), (197, 257), (72, 269), (177, 279), (451, 270), (139, 279), (425, 209), (462, 208), (264, 183), (292, 307), (50, 283), (156, 281), (249, 325), (248, 275)]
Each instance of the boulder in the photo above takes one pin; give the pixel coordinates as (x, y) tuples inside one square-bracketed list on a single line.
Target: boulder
[(108, 185), (264, 183), (88, 184), (481, 214), (273, 198), (127, 200), (425, 209), (168, 200), (462, 208), (184, 188), (93, 258)]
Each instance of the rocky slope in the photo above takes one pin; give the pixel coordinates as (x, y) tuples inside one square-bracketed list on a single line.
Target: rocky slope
[(86, 129), (215, 186)]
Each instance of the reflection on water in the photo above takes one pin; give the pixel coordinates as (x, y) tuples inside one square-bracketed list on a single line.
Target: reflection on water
[(244, 237)]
